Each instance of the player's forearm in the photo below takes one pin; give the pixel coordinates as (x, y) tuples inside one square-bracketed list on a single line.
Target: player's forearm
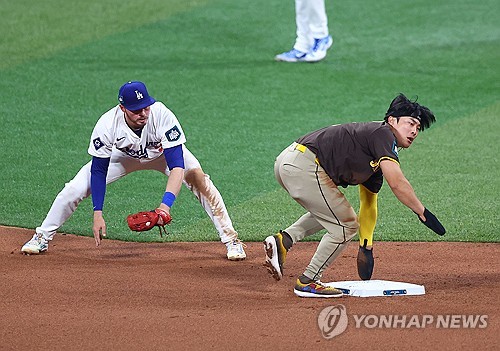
[(406, 195), (401, 187), (173, 188), (175, 179)]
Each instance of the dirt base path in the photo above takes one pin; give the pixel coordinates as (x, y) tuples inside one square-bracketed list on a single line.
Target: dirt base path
[(187, 296)]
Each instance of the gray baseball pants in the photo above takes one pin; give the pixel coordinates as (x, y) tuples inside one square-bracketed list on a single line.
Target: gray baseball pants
[(299, 173)]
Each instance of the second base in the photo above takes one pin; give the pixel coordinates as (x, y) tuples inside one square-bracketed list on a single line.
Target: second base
[(370, 288)]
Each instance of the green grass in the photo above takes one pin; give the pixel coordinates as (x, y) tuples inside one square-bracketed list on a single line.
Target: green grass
[(211, 62)]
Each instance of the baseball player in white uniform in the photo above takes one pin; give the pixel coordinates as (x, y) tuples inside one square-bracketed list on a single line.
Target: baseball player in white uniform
[(139, 133), (313, 39)]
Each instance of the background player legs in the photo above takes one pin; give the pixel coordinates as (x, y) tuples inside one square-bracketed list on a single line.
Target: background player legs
[(317, 18), (304, 40), (312, 23)]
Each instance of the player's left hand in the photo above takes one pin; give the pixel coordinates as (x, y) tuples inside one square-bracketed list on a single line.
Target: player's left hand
[(99, 227), (432, 222)]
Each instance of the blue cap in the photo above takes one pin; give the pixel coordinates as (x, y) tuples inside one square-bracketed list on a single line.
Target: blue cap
[(134, 96)]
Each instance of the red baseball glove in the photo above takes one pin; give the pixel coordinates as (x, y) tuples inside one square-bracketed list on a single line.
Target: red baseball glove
[(144, 221)]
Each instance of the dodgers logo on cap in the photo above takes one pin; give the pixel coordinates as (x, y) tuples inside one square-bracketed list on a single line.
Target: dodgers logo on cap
[(134, 96)]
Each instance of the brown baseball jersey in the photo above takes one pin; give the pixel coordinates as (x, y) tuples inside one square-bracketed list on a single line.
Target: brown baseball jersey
[(350, 153)]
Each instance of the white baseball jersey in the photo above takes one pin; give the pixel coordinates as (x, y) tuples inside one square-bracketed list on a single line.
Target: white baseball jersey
[(112, 134), (113, 138)]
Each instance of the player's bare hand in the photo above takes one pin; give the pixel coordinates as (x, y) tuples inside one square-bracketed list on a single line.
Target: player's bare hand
[(99, 227), (164, 212)]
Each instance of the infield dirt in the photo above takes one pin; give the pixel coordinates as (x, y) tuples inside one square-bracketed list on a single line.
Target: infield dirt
[(187, 296)]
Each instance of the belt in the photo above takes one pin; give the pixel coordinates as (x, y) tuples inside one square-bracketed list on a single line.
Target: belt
[(306, 152), (301, 148)]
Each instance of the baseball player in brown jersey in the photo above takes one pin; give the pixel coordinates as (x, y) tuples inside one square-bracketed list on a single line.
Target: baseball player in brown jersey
[(313, 168)]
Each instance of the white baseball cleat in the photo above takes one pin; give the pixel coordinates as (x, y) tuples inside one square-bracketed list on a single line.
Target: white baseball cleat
[(235, 251), (36, 245), (320, 47), (291, 56)]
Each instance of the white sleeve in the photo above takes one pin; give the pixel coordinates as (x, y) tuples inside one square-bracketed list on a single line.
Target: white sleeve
[(101, 141), (170, 130)]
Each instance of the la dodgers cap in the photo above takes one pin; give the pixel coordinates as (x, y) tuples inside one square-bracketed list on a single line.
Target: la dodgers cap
[(134, 96)]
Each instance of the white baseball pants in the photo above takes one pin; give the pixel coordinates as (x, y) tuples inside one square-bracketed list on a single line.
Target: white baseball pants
[(78, 189), (312, 23)]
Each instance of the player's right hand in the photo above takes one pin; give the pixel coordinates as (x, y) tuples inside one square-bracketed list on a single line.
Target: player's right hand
[(99, 227)]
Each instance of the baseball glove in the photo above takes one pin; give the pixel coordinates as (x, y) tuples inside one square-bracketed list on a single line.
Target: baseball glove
[(144, 221), (365, 262)]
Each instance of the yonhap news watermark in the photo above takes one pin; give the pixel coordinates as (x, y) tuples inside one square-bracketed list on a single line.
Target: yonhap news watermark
[(334, 320)]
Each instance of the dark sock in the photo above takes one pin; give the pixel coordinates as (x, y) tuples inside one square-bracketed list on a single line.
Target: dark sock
[(287, 240), (305, 280)]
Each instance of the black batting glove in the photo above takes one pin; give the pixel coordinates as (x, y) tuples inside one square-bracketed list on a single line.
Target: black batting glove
[(432, 222)]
